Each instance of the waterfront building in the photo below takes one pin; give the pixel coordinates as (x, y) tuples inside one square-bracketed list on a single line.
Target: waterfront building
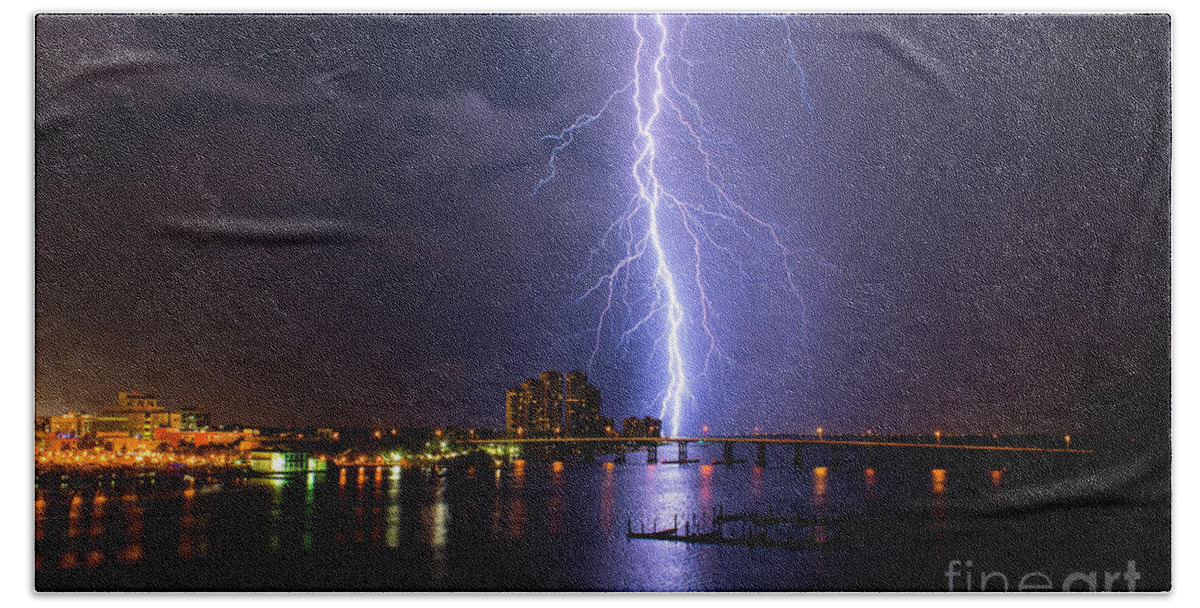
[(189, 420), (70, 424), (175, 437), (608, 426), (546, 412), (516, 412), (534, 409), (581, 402), (135, 415), (641, 427), (284, 461), (554, 405)]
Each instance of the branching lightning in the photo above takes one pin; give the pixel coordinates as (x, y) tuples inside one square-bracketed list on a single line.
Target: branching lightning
[(661, 226)]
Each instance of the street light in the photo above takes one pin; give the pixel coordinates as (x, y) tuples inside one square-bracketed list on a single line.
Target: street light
[(1068, 440), (938, 436), (820, 433)]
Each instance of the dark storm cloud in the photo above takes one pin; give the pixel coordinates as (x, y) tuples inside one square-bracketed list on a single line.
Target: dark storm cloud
[(981, 207)]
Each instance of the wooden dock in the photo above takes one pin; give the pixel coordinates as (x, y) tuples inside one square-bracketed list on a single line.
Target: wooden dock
[(753, 529)]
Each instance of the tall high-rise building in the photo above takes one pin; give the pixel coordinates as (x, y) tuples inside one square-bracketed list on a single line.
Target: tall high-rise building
[(581, 414), (546, 413), (554, 406), (524, 412), (529, 398), (516, 412)]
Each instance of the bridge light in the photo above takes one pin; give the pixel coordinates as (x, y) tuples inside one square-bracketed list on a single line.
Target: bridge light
[(938, 435), (820, 433), (1068, 440)]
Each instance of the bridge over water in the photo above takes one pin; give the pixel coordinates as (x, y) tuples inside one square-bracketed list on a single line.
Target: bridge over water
[(621, 445)]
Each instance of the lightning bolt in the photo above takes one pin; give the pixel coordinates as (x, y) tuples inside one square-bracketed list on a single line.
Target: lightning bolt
[(648, 233), (651, 193)]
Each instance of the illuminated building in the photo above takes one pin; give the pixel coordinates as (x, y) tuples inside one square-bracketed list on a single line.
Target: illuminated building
[(176, 437), (71, 424), (136, 415), (555, 405), (581, 401), (545, 413), (608, 427), (284, 461), (641, 427), (534, 409), (516, 411), (189, 420)]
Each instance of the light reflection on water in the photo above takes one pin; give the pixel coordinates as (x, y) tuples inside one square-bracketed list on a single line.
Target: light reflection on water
[(527, 525), (393, 509)]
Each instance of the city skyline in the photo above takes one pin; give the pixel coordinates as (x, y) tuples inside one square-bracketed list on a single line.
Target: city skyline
[(290, 242)]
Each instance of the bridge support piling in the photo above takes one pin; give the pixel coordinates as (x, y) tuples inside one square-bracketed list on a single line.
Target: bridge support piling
[(683, 455), (835, 461), (761, 459), (728, 453), (798, 455), (872, 457), (619, 456), (652, 454)]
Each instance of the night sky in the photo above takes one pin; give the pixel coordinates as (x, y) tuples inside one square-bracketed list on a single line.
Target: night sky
[(320, 220)]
